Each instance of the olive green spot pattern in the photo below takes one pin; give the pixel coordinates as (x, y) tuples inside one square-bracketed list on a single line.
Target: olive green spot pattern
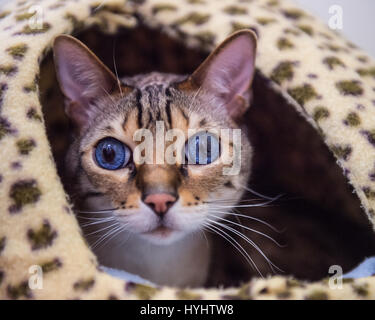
[(349, 87), (320, 113), (303, 94), (23, 193), (317, 295), (243, 292), (291, 31), (33, 114), (370, 72), (284, 295), (352, 120), (42, 237), (2, 244), (293, 14), (306, 29), (32, 87), (25, 16), (51, 265), (273, 3), (235, 10), (84, 285), (186, 295), (265, 21), (341, 152), (17, 51), (144, 292), (19, 291), (196, 1), (5, 128), (8, 69), (27, 30), (369, 193), (207, 38), (333, 48), (77, 24), (3, 14), (347, 280), (282, 72), (163, 7), (333, 62), (25, 146), (362, 59), (3, 87), (239, 26), (361, 289), (194, 18), (293, 283), (284, 44)]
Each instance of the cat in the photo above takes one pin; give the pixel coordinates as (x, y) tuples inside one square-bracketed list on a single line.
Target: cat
[(149, 218)]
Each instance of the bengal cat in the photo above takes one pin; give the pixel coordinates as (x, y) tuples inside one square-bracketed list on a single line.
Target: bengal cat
[(149, 218)]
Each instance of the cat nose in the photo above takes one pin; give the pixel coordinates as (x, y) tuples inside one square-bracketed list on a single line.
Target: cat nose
[(160, 202)]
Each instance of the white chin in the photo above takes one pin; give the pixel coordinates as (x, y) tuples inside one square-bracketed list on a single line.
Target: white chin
[(163, 236)]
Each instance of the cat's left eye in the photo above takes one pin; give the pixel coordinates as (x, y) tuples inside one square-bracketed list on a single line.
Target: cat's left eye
[(202, 148), (111, 154)]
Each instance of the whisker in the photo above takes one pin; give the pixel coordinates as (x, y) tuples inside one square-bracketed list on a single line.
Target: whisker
[(102, 229), (115, 67), (84, 225), (231, 201), (195, 96), (97, 211), (250, 229), (103, 237), (235, 244), (109, 96), (261, 195), (251, 242), (113, 235), (255, 219), (93, 218)]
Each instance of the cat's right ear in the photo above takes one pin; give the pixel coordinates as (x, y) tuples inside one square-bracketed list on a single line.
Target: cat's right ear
[(83, 79)]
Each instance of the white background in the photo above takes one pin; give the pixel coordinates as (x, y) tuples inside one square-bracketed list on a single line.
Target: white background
[(359, 18)]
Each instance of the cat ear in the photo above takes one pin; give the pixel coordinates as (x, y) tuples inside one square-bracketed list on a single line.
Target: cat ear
[(83, 79), (228, 72)]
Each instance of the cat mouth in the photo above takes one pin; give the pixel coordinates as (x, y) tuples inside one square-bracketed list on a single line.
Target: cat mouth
[(161, 231)]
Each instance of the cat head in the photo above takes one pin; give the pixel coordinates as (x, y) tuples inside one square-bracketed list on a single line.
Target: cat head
[(158, 150)]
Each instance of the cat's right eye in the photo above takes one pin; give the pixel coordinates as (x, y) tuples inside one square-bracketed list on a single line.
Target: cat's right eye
[(111, 154), (202, 148)]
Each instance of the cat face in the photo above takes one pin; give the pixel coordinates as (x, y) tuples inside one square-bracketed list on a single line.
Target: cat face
[(120, 124)]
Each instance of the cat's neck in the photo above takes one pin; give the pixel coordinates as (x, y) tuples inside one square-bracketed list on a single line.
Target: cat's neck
[(184, 262)]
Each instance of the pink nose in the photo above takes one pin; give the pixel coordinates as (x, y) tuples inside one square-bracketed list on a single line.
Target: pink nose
[(160, 202)]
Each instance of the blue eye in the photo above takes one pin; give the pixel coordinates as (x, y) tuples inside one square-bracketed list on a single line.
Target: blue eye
[(202, 148), (111, 154)]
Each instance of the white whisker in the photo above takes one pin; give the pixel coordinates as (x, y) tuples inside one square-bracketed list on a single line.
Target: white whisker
[(235, 244), (249, 229), (251, 242)]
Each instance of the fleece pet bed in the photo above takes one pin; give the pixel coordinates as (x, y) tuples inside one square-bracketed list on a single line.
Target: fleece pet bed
[(328, 82)]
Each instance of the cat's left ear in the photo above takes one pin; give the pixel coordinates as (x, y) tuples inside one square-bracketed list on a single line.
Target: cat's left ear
[(228, 72), (83, 79)]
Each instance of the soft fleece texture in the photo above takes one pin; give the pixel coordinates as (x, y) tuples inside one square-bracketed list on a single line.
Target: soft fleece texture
[(37, 225)]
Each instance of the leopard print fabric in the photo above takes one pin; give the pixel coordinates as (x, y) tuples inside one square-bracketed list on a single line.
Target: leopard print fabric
[(332, 87)]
